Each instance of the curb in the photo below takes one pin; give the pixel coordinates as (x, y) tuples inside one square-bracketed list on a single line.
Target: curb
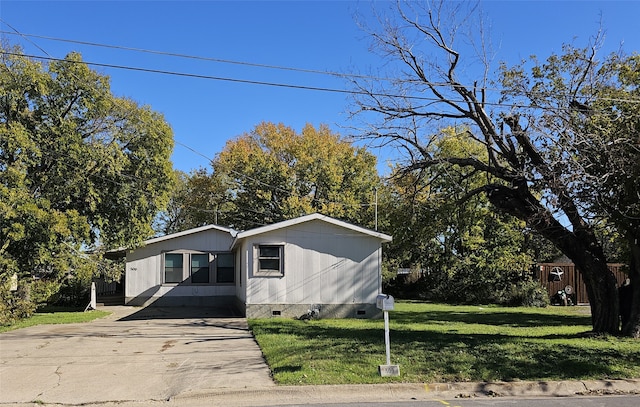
[(283, 395)]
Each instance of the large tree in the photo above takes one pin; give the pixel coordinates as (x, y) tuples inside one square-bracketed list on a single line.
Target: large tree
[(527, 131), (79, 167), (607, 163), (464, 250), (274, 173)]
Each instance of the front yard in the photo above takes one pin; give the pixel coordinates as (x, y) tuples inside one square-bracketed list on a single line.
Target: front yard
[(443, 343)]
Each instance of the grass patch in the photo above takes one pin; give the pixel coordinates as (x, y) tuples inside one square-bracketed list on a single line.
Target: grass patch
[(443, 343), (56, 315)]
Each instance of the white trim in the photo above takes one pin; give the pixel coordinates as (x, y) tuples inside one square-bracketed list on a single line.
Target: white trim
[(189, 232)]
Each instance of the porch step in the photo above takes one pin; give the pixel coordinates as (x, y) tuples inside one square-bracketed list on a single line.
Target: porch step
[(110, 300)]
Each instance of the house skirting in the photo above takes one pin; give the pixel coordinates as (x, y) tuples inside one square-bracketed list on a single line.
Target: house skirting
[(365, 311), (184, 301)]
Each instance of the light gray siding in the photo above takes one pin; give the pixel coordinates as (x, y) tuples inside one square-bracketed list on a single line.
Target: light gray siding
[(285, 269), (323, 264), (144, 271)]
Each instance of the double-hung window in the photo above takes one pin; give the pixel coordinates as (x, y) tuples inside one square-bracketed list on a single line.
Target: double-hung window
[(173, 268), (199, 268), (225, 268), (270, 260)]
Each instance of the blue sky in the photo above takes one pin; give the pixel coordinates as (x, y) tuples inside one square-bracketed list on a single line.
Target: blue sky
[(310, 35)]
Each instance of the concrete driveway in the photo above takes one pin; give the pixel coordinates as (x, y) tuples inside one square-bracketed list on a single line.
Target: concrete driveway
[(132, 355)]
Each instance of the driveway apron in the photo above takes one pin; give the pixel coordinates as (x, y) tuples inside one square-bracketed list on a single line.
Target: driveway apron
[(133, 354)]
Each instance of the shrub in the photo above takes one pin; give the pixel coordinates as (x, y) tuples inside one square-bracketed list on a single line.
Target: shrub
[(15, 305), (528, 294), (43, 291)]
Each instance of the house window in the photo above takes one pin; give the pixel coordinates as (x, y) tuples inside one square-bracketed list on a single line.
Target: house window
[(225, 270), (173, 268), (270, 260), (200, 268)]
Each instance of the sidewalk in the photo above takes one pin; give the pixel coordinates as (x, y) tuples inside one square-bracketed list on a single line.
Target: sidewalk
[(300, 395)]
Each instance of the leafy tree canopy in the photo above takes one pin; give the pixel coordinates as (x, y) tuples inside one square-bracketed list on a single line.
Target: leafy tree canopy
[(274, 173), (535, 132), (79, 167), (452, 238)]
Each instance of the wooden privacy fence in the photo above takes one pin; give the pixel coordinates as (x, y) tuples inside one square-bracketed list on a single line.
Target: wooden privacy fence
[(102, 287), (557, 276)]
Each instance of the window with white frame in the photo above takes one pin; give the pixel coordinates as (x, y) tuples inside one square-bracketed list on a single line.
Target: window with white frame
[(269, 260)]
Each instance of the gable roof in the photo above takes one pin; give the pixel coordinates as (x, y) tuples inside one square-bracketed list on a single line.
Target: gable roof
[(187, 232), (115, 253), (307, 218), (120, 252)]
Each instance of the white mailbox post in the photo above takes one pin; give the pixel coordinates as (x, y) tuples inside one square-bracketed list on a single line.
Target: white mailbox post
[(385, 303)]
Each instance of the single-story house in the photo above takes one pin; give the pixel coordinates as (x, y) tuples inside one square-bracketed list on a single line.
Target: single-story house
[(311, 263)]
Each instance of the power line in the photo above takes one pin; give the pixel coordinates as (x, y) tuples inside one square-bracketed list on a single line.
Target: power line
[(120, 183), (239, 174), (257, 65), (188, 75), (291, 86), (180, 55)]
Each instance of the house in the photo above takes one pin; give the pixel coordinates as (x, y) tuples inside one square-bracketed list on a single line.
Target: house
[(311, 263)]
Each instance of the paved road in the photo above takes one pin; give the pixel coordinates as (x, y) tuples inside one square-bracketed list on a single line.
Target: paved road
[(133, 354), (598, 401)]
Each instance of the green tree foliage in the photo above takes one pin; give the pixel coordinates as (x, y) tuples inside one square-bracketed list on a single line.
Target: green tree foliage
[(606, 126), (80, 169), (462, 250), (527, 132), (274, 173)]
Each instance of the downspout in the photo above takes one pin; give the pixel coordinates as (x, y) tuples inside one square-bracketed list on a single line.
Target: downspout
[(380, 268)]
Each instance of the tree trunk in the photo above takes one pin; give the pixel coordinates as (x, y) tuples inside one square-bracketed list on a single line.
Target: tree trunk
[(600, 281), (632, 327), (602, 291)]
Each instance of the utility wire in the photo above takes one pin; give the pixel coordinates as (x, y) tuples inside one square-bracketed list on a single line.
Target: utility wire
[(189, 75), (179, 55), (275, 188), (244, 63), (49, 57), (289, 86), (120, 183)]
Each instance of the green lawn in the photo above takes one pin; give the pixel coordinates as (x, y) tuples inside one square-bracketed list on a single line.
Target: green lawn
[(56, 316), (443, 343)]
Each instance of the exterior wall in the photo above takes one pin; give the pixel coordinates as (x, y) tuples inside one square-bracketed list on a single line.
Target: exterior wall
[(324, 265), (144, 273)]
